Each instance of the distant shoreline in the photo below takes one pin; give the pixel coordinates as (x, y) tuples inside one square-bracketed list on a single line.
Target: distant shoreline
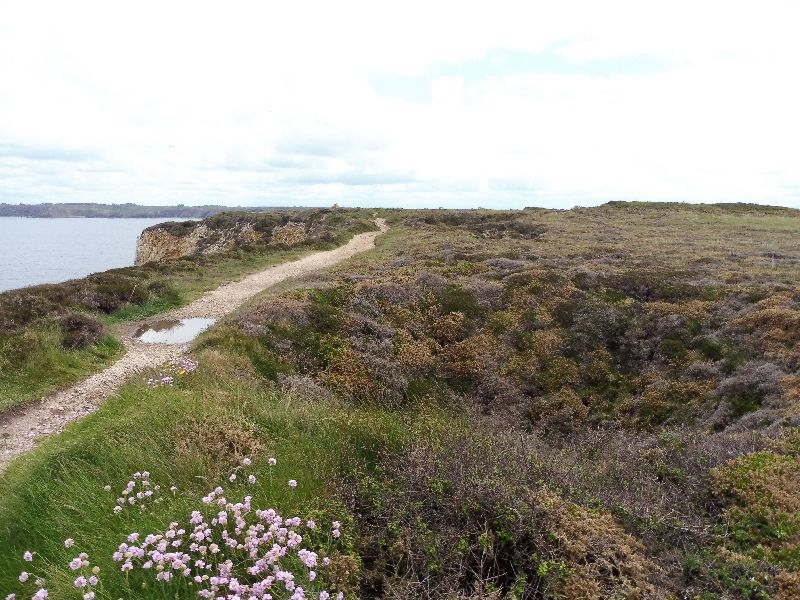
[(122, 211)]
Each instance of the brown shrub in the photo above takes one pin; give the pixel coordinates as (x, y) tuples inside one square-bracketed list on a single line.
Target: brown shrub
[(215, 444), (80, 331)]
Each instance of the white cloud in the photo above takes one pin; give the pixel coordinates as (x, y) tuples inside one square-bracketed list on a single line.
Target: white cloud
[(259, 103)]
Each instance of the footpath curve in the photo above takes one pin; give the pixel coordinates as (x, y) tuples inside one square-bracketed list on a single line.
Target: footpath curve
[(22, 427)]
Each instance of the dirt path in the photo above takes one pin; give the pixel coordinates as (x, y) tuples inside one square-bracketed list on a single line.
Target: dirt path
[(22, 427)]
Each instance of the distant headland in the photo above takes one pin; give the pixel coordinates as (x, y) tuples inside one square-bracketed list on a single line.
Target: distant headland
[(119, 211)]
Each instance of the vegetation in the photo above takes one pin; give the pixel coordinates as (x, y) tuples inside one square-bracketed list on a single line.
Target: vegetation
[(596, 403)]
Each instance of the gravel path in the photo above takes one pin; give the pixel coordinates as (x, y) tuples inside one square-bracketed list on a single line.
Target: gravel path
[(22, 427)]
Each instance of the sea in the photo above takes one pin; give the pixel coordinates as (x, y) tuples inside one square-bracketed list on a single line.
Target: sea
[(34, 251)]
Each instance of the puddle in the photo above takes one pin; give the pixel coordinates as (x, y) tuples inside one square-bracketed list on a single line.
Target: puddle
[(172, 332)]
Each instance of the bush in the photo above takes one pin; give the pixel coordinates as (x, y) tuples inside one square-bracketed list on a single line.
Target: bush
[(80, 331)]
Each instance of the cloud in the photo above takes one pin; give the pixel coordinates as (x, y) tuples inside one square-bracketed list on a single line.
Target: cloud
[(441, 103)]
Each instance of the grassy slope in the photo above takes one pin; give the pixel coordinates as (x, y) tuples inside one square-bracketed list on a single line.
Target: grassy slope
[(432, 478)]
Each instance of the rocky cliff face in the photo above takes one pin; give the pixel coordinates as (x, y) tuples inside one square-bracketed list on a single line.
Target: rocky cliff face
[(157, 244), (221, 233)]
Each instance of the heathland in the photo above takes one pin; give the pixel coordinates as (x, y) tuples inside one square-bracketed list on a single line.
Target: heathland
[(594, 403)]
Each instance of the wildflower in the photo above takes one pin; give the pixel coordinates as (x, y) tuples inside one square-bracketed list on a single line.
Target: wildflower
[(247, 462), (232, 478), (88, 596), (69, 543), (80, 582), (292, 483), (40, 595), (117, 509), (75, 564), (11, 597), (27, 556), (310, 524), (93, 580), (23, 577), (272, 462), (251, 479)]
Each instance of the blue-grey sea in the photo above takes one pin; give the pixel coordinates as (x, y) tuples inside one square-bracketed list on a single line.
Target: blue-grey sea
[(34, 251)]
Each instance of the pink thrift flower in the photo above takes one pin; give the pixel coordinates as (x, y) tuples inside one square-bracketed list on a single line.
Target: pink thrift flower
[(40, 595), (27, 556), (23, 577), (251, 479), (69, 543), (272, 462), (292, 483)]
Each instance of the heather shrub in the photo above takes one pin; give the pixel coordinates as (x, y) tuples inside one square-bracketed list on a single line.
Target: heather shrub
[(746, 389), (462, 514), (80, 331)]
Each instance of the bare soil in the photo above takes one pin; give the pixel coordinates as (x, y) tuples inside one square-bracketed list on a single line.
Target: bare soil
[(22, 427)]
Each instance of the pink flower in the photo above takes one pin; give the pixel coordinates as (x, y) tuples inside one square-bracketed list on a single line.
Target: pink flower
[(272, 462), (69, 543), (27, 556), (251, 479), (292, 483), (23, 577), (40, 595)]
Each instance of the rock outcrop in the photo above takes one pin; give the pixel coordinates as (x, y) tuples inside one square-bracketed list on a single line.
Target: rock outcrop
[(159, 243), (316, 228)]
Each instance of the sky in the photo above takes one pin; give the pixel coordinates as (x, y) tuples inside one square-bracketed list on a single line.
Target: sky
[(403, 104)]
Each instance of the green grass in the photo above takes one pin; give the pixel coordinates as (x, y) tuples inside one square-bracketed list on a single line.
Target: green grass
[(47, 366), (56, 491)]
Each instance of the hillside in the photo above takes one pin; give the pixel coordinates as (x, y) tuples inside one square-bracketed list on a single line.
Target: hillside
[(595, 403)]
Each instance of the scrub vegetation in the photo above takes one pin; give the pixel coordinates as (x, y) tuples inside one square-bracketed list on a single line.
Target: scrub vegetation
[(585, 404)]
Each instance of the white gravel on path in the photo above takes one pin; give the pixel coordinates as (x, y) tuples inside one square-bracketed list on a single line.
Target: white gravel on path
[(22, 427)]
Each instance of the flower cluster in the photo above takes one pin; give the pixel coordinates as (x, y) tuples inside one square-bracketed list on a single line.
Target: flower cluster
[(235, 550), (171, 371), (86, 580), (224, 549), (139, 492)]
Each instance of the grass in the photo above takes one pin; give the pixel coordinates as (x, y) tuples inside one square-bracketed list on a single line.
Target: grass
[(56, 492), (48, 366)]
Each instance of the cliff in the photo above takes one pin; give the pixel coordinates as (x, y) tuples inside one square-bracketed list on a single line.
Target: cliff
[(159, 243), (230, 231)]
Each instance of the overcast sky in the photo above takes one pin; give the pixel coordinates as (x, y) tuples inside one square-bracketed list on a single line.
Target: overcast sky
[(406, 103)]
